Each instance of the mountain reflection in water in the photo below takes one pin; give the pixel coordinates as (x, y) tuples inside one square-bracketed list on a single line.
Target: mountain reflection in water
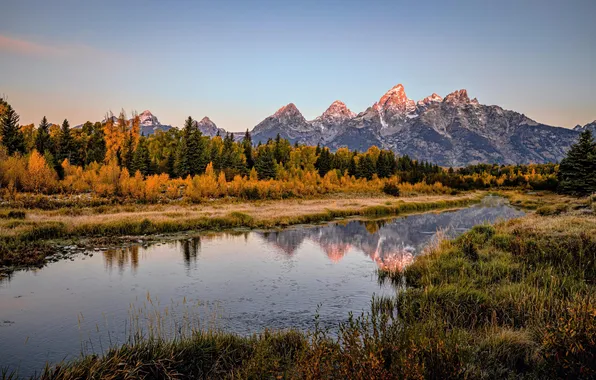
[(390, 243), (251, 280)]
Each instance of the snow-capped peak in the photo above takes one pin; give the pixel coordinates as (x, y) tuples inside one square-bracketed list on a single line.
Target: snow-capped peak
[(338, 110), (287, 109), (148, 119), (434, 98), (397, 95), (458, 97), (208, 127), (206, 120), (395, 101), (289, 112)]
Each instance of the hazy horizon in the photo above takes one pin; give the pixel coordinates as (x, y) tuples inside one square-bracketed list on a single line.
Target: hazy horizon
[(238, 63)]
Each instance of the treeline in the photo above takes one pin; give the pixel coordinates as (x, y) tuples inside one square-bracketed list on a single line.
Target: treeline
[(95, 156)]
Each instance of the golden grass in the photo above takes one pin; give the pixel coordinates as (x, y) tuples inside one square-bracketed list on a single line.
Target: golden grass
[(260, 210)]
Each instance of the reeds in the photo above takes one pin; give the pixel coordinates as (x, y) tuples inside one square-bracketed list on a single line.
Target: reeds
[(512, 301), (17, 239)]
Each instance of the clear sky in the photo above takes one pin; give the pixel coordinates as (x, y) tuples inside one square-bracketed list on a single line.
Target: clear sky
[(239, 61)]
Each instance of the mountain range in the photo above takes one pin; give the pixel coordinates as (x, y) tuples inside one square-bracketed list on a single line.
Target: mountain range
[(450, 131), (591, 126)]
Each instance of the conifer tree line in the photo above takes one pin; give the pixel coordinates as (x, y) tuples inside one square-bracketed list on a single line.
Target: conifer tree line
[(184, 152), (577, 172)]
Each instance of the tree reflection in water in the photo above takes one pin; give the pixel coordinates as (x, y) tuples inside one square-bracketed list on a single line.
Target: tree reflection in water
[(190, 250), (122, 258), (391, 243)]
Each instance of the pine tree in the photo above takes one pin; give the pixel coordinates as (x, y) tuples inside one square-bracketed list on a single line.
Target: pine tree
[(12, 138), (171, 165), (323, 162), (365, 167), (385, 164), (42, 139), (65, 143), (96, 145), (265, 164), (281, 149), (577, 171), (142, 159), (128, 153), (247, 145), (191, 155), (352, 169)]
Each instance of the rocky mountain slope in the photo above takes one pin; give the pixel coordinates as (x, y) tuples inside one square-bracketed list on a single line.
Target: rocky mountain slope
[(150, 124), (591, 126), (450, 131), (208, 128)]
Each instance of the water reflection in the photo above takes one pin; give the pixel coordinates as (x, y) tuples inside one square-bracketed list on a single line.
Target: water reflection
[(259, 280), (122, 258), (392, 244), (190, 250)]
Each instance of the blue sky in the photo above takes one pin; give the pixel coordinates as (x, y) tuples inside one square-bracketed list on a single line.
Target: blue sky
[(239, 61)]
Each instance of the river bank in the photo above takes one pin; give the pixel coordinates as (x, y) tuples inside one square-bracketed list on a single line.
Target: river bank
[(29, 236), (512, 300)]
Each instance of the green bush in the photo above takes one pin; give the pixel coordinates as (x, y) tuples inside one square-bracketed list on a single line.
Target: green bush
[(391, 188)]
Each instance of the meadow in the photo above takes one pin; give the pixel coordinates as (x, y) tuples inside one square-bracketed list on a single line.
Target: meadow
[(514, 300)]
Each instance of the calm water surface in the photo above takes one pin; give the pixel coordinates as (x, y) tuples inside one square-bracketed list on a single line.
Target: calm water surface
[(244, 281)]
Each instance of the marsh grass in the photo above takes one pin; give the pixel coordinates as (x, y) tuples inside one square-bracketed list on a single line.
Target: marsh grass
[(17, 236), (519, 304)]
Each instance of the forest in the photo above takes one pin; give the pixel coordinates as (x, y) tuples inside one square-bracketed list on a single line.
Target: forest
[(112, 159)]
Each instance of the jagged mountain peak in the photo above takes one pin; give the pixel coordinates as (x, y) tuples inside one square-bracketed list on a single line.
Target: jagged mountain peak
[(206, 120), (434, 98), (395, 102), (591, 126), (208, 127), (396, 95), (288, 109), (148, 119), (459, 97), (338, 109)]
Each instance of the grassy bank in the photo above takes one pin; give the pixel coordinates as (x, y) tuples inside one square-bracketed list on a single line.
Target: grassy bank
[(25, 240), (516, 300)]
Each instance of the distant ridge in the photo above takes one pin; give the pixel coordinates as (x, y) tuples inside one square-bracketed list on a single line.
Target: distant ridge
[(451, 131)]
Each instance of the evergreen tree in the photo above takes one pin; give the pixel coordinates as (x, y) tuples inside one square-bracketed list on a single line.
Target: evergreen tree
[(385, 164), (577, 171), (42, 139), (247, 145), (365, 167), (281, 149), (128, 153), (96, 145), (65, 143), (142, 159), (352, 169), (191, 153), (265, 164), (227, 152), (323, 162), (12, 138), (171, 165)]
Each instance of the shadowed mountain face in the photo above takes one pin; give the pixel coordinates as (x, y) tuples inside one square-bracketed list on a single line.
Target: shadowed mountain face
[(454, 131), (150, 124), (590, 126), (451, 131), (392, 244)]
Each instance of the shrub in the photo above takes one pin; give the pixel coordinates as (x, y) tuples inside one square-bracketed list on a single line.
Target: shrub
[(391, 188)]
